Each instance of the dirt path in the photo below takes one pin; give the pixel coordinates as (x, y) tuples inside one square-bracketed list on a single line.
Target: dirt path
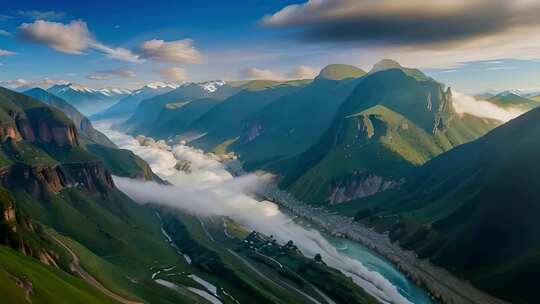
[(77, 268)]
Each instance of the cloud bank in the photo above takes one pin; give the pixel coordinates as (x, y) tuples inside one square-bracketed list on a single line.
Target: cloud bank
[(71, 38), (466, 104), (210, 190), (178, 51), (75, 38)]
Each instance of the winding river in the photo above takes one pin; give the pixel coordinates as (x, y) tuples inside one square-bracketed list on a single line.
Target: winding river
[(210, 181)]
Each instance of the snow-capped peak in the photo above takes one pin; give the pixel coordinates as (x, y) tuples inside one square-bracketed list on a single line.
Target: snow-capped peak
[(212, 86), (108, 92)]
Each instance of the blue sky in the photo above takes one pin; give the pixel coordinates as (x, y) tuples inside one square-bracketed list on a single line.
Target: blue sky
[(204, 40)]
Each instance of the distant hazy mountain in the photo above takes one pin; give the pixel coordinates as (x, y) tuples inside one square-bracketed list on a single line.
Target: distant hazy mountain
[(474, 210), (88, 101), (148, 112), (127, 105), (513, 99), (394, 120), (83, 124)]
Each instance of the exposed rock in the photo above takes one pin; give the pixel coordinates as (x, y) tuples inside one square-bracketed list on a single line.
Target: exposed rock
[(359, 186), (38, 180)]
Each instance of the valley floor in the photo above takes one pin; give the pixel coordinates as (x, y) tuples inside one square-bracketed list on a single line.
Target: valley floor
[(440, 283)]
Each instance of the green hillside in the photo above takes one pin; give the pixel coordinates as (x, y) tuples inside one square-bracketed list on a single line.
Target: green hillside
[(474, 210), (340, 72), (391, 123), (293, 123), (83, 124), (225, 120), (175, 117), (23, 279)]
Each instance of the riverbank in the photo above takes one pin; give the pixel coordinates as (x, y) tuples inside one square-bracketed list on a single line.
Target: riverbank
[(441, 284)]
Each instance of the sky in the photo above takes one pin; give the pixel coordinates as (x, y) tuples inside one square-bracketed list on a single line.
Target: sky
[(471, 45)]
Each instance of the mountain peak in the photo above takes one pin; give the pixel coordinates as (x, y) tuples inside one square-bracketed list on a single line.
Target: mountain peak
[(340, 72), (385, 64)]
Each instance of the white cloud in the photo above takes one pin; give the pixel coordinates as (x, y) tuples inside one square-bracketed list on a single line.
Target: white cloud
[(466, 104), (175, 73), (261, 74), (23, 83), (108, 74), (6, 53), (72, 38), (41, 15), (178, 51), (303, 72), (210, 190), (4, 33), (116, 53), (98, 77), (14, 83)]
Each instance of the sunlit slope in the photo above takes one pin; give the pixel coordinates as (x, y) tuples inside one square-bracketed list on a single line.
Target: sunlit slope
[(391, 123), (475, 210)]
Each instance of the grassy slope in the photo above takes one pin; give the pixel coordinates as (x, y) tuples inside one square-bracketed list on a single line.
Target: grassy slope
[(122, 162), (49, 285), (384, 128), (293, 123), (174, 118), (225, 120), (474, 210)]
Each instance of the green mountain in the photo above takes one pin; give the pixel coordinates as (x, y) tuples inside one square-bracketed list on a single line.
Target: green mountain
[(473, 210), (148, 111), (391, 123), (294, 122), (67, 234), (340, 72), (175, 117), (83, 124), (389, 64), (57, 194), (224, 122), (508, 99)]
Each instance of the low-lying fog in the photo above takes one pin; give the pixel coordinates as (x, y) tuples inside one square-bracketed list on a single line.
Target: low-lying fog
[(210, 190)]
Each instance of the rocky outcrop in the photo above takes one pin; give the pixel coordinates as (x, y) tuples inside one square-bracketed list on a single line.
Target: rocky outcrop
[(445, 111), (42, 131), (38, 181), (358, 186)]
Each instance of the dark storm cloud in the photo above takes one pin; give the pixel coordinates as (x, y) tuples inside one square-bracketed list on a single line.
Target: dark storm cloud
[(406, 22)]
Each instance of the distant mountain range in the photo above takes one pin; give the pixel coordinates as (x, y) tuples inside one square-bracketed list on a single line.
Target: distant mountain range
[(86, 100), (343, 135)]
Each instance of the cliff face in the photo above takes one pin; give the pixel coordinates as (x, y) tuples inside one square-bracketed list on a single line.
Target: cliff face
[(92, 177), (41, 130)]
